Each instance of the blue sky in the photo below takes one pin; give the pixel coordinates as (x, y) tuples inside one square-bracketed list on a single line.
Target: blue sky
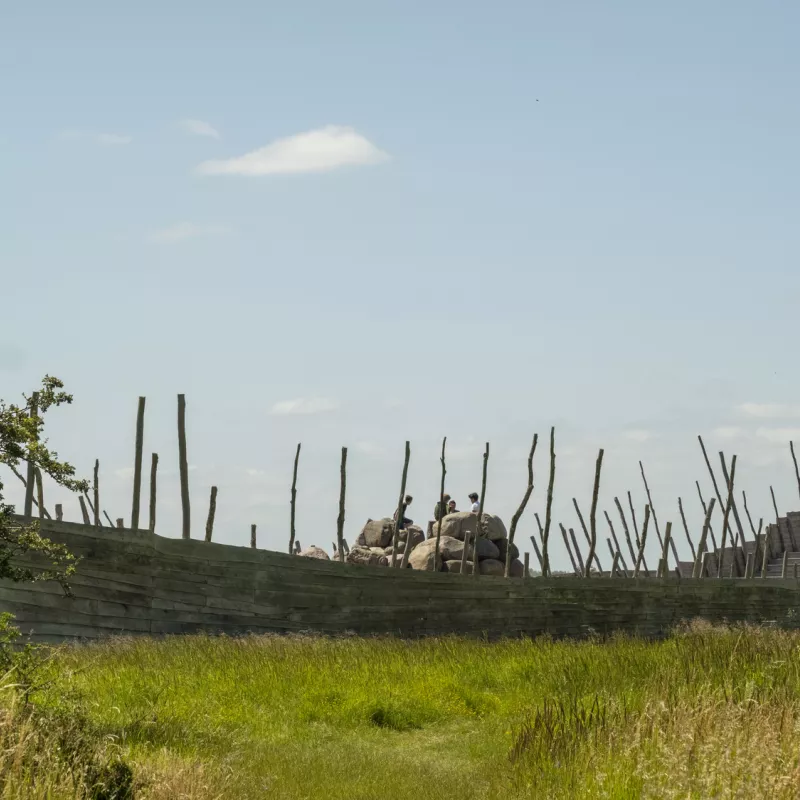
[(468, 219)]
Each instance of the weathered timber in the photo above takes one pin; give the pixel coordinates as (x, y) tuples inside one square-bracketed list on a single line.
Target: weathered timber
[(526, 567), (625, 530), (293, 501), (686, 529), (518, 513), (253, 536), (549, 507), (400, 504), (59, 512), (642, 542), (593, 513), (31, 477), (212, 510), (153, 487), (578, 554), (39, 493), (342, 491), (569, 549), (96, 492), (437, 565), (183, 463), (725, 516), (617, 548), (700, 563), (588, 541), (481, 511), (137, 464), (84, 510)]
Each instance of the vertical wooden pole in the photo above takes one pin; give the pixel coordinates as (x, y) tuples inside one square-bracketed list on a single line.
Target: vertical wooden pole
[(784, 564), (635, 526), (617, 548), (400, 505), (31, 481), (700, 561), (593, 512), (346, 547), (342, 488), (39, 493), (577, 551), (253, 536), (297, 548), (569, 550), (625, 530), (518, 514), (706, 570), (796, 470), (436, 562), (736, 519), (587, 537), (212, 510), (184, 467), (725, 517), (686, 529), (481, 511), (643, 541), (549, 507), (84, 512), (705, 508), (120, 522), (748, 567), (526, 571), (153, 487), (665, 549), (59, 512), (293, 511), (137, 465), (96, 492), (463, 569)]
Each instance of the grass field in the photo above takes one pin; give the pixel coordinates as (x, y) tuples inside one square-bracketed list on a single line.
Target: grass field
[(707, 713)]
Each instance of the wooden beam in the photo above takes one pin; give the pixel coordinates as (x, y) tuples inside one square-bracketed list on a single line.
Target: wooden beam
[(30, 483), (153, 486), (593, 512), (137, 465), (400, 506), (184, 468), (293, 507), (549, 508), (518, 514), (212, 511), (342, 490), (96, 492)]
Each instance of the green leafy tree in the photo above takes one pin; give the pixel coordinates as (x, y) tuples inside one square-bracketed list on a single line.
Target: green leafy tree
[(25, 555)]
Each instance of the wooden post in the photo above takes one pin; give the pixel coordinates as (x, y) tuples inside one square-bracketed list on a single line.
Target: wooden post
[(593, 513), (705, 508), (635, 526), (463, 568), (700, 561), (346, 547), (736, 519), (481, 511), (342, 489), (652, 508), (400, 506), (253, 537), (293, 510), (59, 512), (39, 493), (539, 554), (617, 548), (764, 552), (662, 568), (588, 541), (784, 564), (436, 563), (706, 571), (120, 522), (713, 481), (686, 529), (96, 492), (643, 541), (725, 516), (569, 550), (212, 511), (577, 551), (25, 483), (153, 485), (184, 468), (297, 548), (549, 507), (84, 512), (137, 465), (105, 514), (748, 567), (31, 481), (665, 550), (750, 522), (526, 572), (527, 496), (794, 568), (625, 530), (614, 563), (796, 470)]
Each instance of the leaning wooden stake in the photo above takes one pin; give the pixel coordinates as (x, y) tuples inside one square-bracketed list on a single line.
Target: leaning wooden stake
[(577, 551), (593, 512), (588, 539), (614, 563), (436, 563), (212, 510), (400, 503), (686, 529), (253, 536), (137, 465), (736, 519), (617, 548), (84, 511), (705, 508), (652, 508), (713, 481), (625, 530), (539, 555), (700, 561), (481, 512), (25, 483), (96, 492), (30, 483), (293, 507), (665, 551), (549, 508), (515, 519), (184, 468), (643, 541), (110, 523), (153, 481), (569, 550), (796, 470), (39, 493), (635, 526), (728, 504), (748, 566), (342, 489)]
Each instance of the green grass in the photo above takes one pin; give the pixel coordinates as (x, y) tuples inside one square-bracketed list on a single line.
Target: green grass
[(706, 713)]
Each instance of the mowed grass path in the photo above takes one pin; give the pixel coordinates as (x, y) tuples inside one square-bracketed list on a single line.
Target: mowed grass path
[(706, 713)]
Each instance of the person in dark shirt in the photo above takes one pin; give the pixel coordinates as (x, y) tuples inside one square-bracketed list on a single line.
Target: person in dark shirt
[(440, 510), (404, 520), (451, 507)]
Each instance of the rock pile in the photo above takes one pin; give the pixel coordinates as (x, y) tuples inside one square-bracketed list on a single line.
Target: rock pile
[(373, 545)]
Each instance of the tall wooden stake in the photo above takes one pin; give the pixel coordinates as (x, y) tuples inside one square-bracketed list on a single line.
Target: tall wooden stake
[(635, 526), (184, 468), (588, 539), (293, 510), (777, 516), (120, 522), (400, 505), (577, 551), (151, 526), (84, 511), (686, 529), (617, 548), (640, 556), (526, 569), (701, 561), (137, 465), (593, 512), (39, 493), (515, 519), (665, 551), (31, 481), (538, 552), (569, 551), (625, 530), (481, 512), (705, 508), (253, 536), (212, 511), (96, 487), (110, 523), (59, 512), (736, 519), (549, 508), (796, 470), (655, 518), (725, 516), (340, 519), (436, 562)]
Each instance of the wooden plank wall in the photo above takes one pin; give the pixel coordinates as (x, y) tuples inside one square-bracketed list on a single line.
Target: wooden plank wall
[(136, 582)]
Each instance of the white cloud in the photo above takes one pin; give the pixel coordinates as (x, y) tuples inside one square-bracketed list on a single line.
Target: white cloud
[(638, 435), (728, 433), (778, 435), (770, 410), (320, 150), (124, 473), (185, 230), (304, 405), (197, 127), (106, 139), (370, 448)]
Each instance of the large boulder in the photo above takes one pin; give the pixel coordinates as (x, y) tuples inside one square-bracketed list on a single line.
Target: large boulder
[(315, 552), (504, 546), (492, 566), (455, 566), (462, 522), (376, 533), (517, 569), (367, 556), (422, 556), (416, 534), (486, 549)]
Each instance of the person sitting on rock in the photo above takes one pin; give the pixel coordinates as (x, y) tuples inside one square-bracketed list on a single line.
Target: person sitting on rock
[(404, 519), (476, 506), (451, 507), (440, 509)]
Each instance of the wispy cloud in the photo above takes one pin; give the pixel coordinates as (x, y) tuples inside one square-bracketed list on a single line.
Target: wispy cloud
[(728, 433), (106, 139), (770, 410), (182, 231), (638, 435), (197, 127), (778, 435), (320, 150), (304, 405)]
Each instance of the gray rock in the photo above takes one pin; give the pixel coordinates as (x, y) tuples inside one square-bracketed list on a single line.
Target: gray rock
[(492, 566), (315, 552), (455, 566), (377, 533), (367, 556), (486, 549), (517, 569), (503, 546), (416, 533), (462, 522)]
